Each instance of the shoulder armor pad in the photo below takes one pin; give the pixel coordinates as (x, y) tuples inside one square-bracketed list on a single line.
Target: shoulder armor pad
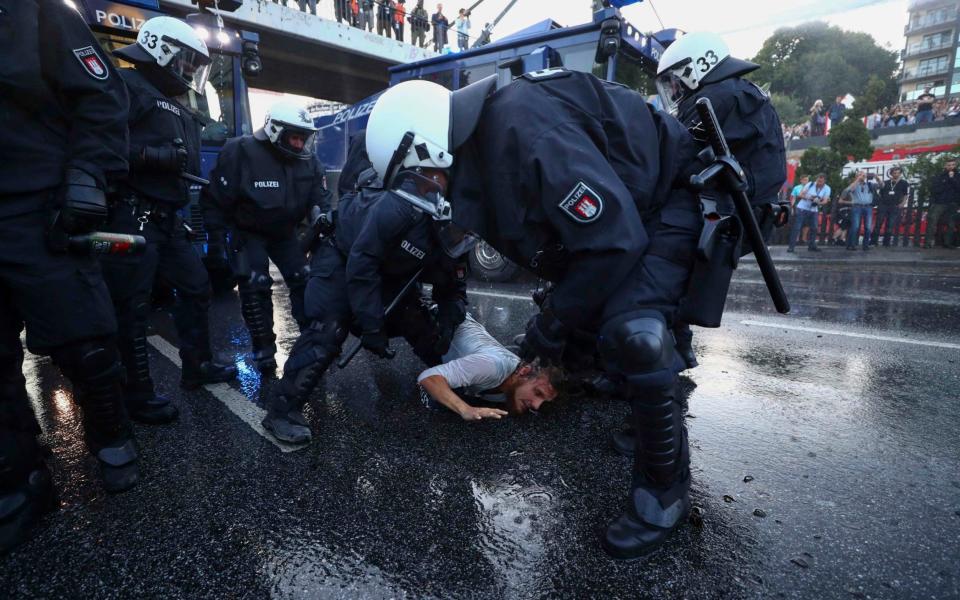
[(546, 74), (759, 90)]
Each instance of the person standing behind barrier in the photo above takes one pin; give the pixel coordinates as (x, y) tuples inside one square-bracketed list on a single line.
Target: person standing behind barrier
[(440, 26), (339, 9), (303, 6), (859, 194), (385, 17), (812, 197), (944, 202), (419, 25), (893, 199), (399, 14), (463, 30), (367, 15)]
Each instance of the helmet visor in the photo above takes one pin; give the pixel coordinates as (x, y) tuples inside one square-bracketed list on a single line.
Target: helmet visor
[(424, 192), (671, 90), (190, 67), (297, 141)]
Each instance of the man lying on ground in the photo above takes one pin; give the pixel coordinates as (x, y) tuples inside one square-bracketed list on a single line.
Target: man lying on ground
[(479, 366)]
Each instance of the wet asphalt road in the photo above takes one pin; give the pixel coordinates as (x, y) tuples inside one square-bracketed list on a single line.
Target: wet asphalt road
[(844, 417)]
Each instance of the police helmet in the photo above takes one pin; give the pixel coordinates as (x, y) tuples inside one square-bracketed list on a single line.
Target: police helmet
[(175, 48), (695, 60), (289, 128)]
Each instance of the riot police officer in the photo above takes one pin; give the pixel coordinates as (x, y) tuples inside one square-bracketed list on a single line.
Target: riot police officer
[(581, 182), (262, 186), (699, 65), (169, 60), (383, 238), (63, 112)]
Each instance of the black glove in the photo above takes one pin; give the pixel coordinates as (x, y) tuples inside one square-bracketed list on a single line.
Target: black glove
[(377, 342), (168, 159), (546, 339), (81, 203)]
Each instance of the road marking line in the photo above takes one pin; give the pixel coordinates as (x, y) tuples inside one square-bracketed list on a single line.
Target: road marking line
[(500, 295), (240, 405), (865, 336)]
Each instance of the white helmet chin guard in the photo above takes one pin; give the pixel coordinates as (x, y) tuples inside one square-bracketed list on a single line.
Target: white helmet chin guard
[(409, 128), (696, 59), (290, 129), (175, 47)]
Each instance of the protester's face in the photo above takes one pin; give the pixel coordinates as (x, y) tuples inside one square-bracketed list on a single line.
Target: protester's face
[(804, 180), (530, 394), (951, 165), (895, 174), (821, 181)]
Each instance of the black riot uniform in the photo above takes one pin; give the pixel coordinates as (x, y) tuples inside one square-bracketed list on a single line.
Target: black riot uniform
[(260, 194), (164, 141), (580, 181), (380, 243), (753, 130), (63, 113)]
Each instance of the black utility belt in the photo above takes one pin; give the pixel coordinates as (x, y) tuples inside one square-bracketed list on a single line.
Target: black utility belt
[(162, 214)]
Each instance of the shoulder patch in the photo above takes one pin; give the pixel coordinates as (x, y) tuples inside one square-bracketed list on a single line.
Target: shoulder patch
[(92, 63), (546, 74), (582, 204)]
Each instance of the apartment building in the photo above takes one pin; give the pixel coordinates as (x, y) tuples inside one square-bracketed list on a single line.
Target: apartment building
[(930, 57)]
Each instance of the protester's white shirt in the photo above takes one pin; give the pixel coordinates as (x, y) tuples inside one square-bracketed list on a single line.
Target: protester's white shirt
[(476, 362)]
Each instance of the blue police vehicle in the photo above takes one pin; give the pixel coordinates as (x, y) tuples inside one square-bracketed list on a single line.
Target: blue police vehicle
[(608, 47)]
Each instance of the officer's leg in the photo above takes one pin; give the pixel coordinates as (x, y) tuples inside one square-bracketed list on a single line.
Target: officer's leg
[(288, 257), (684, 337), (639, 353), (130, 280), (315, 350), (26, 490), (68, 314), (252, 269), (181, 267)]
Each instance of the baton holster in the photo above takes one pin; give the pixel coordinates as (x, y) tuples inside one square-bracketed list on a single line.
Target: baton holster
[(718, 253)]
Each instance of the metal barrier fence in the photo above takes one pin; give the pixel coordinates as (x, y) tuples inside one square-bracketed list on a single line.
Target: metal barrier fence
[(910, 230)]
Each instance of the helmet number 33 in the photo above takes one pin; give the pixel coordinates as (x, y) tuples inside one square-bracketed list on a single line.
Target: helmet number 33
[(706, 61)]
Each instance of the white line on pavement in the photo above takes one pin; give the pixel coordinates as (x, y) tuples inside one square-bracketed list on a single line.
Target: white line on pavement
[(865, 336), (500, 295), (240, 405)]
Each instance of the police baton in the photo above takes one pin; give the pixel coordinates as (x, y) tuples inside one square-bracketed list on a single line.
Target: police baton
[(346, 358), (733, 173), (182, 146)]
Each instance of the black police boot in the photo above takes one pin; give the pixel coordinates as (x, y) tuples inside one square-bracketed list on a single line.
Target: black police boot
[(197, 371), (119, 467), (143, 403), (285, 410), (22, 506), (659, 499), (257, 310), (684, 344)]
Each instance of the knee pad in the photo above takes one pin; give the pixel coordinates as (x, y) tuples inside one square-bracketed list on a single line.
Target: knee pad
[(257, 282), (90, 360), (640, 347), (319, 343)]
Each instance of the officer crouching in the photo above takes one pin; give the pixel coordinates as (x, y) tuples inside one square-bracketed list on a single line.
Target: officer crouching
[(262, 186)]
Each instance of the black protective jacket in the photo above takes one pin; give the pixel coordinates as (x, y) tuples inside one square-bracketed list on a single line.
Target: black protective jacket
[(753, 131), (386, 240), (61, 102), (253, 188), (945, 189), (157, 120), (564, 174)]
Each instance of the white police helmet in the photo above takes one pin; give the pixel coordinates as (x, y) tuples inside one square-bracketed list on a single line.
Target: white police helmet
[(694, 60), (290, 129), (409, 128), (173, 46)]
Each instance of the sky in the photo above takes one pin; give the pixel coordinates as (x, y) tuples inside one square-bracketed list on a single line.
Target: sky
[(744, 24)]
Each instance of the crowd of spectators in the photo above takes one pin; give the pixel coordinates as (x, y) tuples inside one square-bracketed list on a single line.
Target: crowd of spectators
[(925, 109), (390, 18)]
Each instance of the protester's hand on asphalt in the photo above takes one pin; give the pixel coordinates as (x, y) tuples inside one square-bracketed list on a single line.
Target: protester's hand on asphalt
[(475, 413)]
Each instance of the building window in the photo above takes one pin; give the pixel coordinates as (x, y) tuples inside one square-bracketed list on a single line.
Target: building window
[(932, 66)]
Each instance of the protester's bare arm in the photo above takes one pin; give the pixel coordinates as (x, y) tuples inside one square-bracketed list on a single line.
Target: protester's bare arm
[(439, 390)]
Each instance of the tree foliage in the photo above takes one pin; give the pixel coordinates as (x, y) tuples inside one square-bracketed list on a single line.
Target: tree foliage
[(789, 108), (823, 160), (923, 170), (875, 96), (850, 139), (818, 61)]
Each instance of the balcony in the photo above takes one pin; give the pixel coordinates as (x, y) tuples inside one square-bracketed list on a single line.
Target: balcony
[(924, 72), (929, 21), (925, 47), (915, 5)]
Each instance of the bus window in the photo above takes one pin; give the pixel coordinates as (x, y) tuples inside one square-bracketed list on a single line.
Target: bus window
[(631, 74), (444, 78), (581, 58), (216, 103), (475, 73)]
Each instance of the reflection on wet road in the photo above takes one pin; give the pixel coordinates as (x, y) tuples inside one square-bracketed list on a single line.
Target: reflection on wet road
[(825, 450)]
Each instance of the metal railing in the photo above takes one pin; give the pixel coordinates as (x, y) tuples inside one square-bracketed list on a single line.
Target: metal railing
[(921, 72), (930, 21), (922, 47)]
